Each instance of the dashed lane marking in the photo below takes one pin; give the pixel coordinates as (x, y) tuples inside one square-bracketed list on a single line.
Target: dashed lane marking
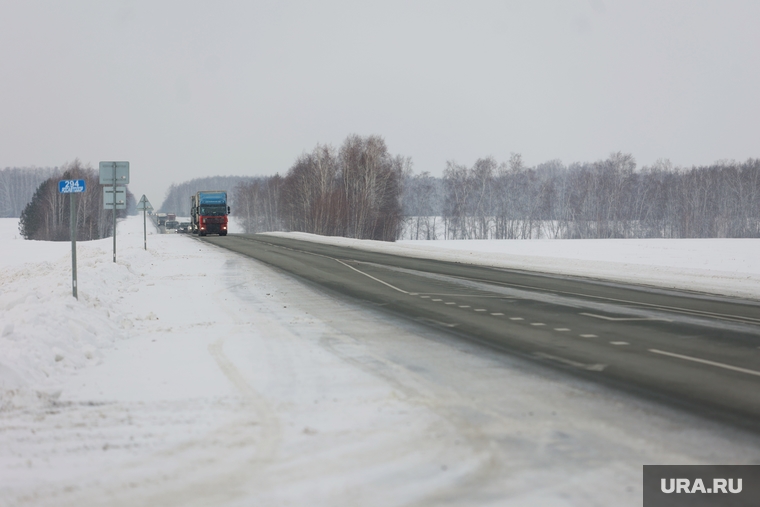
[(497, 313), (464, 306), (537, 324), (480, 310), (619, 343), (425, 297), (588, 336), (707, 361), (562, 329), (437, 300), (516, 318), (450, 303)]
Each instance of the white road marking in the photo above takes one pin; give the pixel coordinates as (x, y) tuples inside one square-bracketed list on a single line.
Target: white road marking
[(570, 362), (437, 300), (425, 297), (735, 318), (450, 303), (480, 310), (516, 318), (562, 329), (503, 314), (370, 276), (537, 324), (619, 343), (588, 336), (467, 296), (464, 306), (624, 319), (706, 361), (445, 324)]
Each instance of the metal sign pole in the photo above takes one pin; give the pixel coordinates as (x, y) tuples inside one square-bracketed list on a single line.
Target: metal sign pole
[(145, 228), (145, 206), (114, 211), (110, 173), (73, 228), (72, 187)]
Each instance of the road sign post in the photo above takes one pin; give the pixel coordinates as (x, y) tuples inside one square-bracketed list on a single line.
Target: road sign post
[(144, 205), (113, 173), (73, 187)]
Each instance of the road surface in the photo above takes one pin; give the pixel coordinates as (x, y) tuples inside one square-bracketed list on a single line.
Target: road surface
[(696, 351)]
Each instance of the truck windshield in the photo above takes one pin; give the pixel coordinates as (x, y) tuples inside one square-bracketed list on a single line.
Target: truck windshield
[(214, 211)]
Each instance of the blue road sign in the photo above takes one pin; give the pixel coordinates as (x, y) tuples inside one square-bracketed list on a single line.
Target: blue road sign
[(71, 186)]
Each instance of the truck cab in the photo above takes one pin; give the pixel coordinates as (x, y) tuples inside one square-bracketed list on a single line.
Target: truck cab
[(209, 212)]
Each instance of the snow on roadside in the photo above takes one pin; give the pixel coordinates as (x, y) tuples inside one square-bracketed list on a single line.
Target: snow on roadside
[(224, 382), (44, 332), (718, 266)]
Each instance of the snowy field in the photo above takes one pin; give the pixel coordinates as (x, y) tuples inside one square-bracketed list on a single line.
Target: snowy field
[(188, 375)]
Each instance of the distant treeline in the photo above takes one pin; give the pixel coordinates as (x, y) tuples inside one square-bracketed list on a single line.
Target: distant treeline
[(17, 185), (47, 215), (360, 190), (490, 200), (177, 198), (605, 199), (354, 191)]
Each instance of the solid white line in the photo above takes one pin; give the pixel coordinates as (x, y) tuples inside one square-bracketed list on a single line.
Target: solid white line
[(445, 324), (372, 277), (590, 367), (623, 319), (706, 361)]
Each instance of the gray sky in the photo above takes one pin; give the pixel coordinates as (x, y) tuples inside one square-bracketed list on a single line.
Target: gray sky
[(187, 89)]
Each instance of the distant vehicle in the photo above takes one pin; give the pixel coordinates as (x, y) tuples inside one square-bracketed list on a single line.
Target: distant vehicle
[(171, 216), (172, 224), (208, 212), (160, 219), (184, 227)]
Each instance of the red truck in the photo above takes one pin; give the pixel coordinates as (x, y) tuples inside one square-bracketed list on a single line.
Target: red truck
[(208, 212)]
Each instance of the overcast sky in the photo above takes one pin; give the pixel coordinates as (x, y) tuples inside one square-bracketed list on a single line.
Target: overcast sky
[(187, 89)]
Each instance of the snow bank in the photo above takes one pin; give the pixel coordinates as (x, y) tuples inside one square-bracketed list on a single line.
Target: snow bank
[(44, 332)]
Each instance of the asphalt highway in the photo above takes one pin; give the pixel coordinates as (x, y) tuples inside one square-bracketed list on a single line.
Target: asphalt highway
[(695, 351)]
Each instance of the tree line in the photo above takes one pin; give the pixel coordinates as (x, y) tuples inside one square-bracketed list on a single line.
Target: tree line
[(346, 192), (352, 191), (360, 190), (609, 198), (17, 186), (47, 214), (177, 199)]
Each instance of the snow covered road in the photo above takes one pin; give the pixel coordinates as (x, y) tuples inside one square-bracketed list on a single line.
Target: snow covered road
[(187, 375)]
